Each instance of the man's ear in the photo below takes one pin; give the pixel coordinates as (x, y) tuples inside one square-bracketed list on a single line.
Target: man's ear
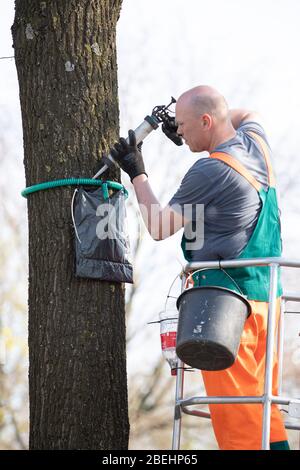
[(206, 121)]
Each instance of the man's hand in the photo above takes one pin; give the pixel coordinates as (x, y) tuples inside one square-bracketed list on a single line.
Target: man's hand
[(239, 116), (170, 130), (129, 156)]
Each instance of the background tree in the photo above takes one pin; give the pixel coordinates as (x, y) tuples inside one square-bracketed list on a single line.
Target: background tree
[(65, 54)]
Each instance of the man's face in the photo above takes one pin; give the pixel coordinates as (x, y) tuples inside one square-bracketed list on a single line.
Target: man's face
[(194, 129)]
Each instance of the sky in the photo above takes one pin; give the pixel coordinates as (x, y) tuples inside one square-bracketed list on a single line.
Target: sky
[(249, 51)]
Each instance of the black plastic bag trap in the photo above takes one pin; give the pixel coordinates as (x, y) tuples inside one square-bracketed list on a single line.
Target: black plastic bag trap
[(101, 239)]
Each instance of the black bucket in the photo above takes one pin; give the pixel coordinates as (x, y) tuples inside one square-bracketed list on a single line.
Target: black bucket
[(210, 325)]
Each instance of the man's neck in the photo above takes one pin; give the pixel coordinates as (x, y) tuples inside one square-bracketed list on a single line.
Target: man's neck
[(221, 137)]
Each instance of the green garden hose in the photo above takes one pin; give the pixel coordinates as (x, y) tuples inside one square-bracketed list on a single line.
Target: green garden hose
[(75, 182)]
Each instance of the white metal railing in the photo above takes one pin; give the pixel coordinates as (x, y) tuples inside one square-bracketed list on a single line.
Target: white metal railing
[(182, 404)]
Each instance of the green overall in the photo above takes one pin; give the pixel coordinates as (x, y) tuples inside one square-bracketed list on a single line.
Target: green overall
[(265, 240)]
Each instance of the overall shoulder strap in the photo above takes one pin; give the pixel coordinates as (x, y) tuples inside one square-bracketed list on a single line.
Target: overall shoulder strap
[(237, 166), (266, 154)]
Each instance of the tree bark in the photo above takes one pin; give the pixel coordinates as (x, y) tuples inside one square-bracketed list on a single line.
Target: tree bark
[(65, 52)]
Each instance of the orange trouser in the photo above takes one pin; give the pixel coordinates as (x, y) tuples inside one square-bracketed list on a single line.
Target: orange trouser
[(239, 426)]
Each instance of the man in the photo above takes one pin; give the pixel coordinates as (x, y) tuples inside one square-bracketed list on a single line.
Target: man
[(241, 220)]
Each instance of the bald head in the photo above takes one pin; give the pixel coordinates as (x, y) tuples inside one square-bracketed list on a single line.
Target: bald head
[(204, 99), (203, 118)]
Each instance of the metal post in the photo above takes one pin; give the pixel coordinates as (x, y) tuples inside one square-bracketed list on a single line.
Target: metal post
[(177, 410), (178, 393), (280, 345), (269, 357)]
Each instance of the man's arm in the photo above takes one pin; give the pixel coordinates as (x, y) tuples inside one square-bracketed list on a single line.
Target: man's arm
[(161, 223), (238, 116)]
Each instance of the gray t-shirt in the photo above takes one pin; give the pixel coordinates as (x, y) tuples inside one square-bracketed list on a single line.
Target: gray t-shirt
[(231, 204)]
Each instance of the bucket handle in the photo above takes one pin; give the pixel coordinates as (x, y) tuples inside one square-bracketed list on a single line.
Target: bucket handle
[(206, 269), (168, 294)]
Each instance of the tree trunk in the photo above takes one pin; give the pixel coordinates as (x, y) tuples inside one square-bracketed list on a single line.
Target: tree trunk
[(65, 53)]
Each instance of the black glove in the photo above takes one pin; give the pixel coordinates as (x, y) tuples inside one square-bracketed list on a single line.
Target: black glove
[(129, 156), (169, 128)]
